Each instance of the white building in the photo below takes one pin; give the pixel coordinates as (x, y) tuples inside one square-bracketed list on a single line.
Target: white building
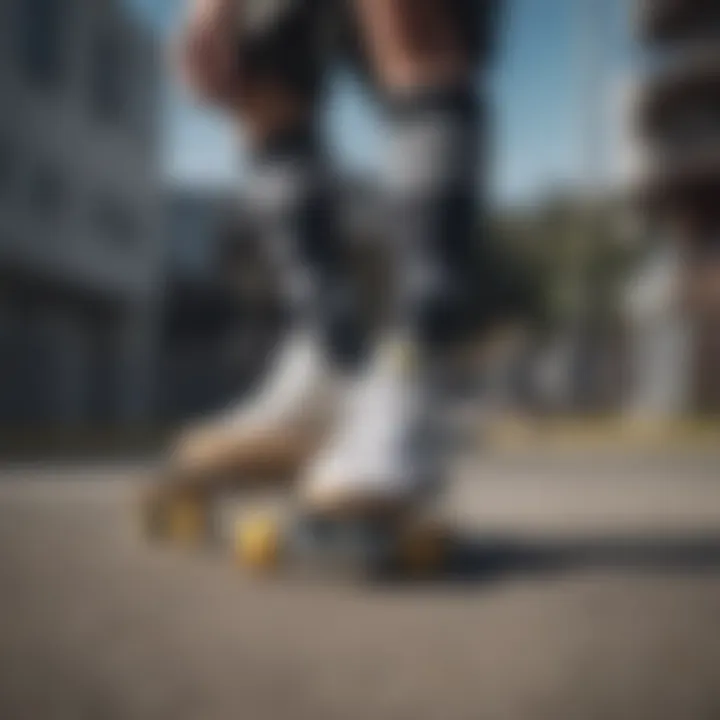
[(81, 212), (660, 360)]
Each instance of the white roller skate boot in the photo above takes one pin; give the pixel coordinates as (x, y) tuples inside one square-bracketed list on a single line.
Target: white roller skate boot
[(385, 455), (276, 430)]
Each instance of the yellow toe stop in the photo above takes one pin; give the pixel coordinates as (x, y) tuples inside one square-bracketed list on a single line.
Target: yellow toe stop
[(171, 517), (258, 542), (423, 549), (186, 520)]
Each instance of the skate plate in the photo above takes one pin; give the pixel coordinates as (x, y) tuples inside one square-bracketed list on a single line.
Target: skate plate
[(176, 515), (194, 514), (269, 535), (179, 503), (185, 508), (297, 543)]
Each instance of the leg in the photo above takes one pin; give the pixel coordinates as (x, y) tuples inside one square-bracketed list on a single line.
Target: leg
[(426, 72), (291, 195), (385, 455), (424, 64), (275, 111)]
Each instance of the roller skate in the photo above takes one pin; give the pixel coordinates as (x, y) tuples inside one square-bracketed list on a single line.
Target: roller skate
[(262, 442), (365, 503)]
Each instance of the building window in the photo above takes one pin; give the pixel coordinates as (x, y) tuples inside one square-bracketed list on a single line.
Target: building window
[(108, 78), (46, 193), (115, 222), (143, 89), (6, 167), (39, 39)]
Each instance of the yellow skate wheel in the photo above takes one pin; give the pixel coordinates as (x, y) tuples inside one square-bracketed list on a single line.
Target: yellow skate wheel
[(258, 543), (423, 550)]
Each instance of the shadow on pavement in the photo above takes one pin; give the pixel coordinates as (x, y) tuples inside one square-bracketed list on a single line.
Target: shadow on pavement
[(480, 559)]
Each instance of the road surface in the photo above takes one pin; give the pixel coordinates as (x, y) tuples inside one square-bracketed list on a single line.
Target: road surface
[(596, 595)]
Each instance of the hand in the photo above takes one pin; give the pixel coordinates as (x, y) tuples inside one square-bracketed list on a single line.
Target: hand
[(207, 50)]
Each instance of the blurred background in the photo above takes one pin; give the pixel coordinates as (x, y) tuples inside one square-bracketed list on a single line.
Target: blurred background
[(133, 296), (132, 292)]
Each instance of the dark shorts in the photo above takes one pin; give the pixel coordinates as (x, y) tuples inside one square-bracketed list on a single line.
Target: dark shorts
[(299, 41)]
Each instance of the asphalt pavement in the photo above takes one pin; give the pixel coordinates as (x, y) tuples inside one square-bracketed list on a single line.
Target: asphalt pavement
[(593, 592)]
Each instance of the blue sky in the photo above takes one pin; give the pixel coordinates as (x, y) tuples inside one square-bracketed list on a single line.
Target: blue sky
[(539, 103)]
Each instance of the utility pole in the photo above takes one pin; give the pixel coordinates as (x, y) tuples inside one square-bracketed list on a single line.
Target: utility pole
[(591, 51)]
